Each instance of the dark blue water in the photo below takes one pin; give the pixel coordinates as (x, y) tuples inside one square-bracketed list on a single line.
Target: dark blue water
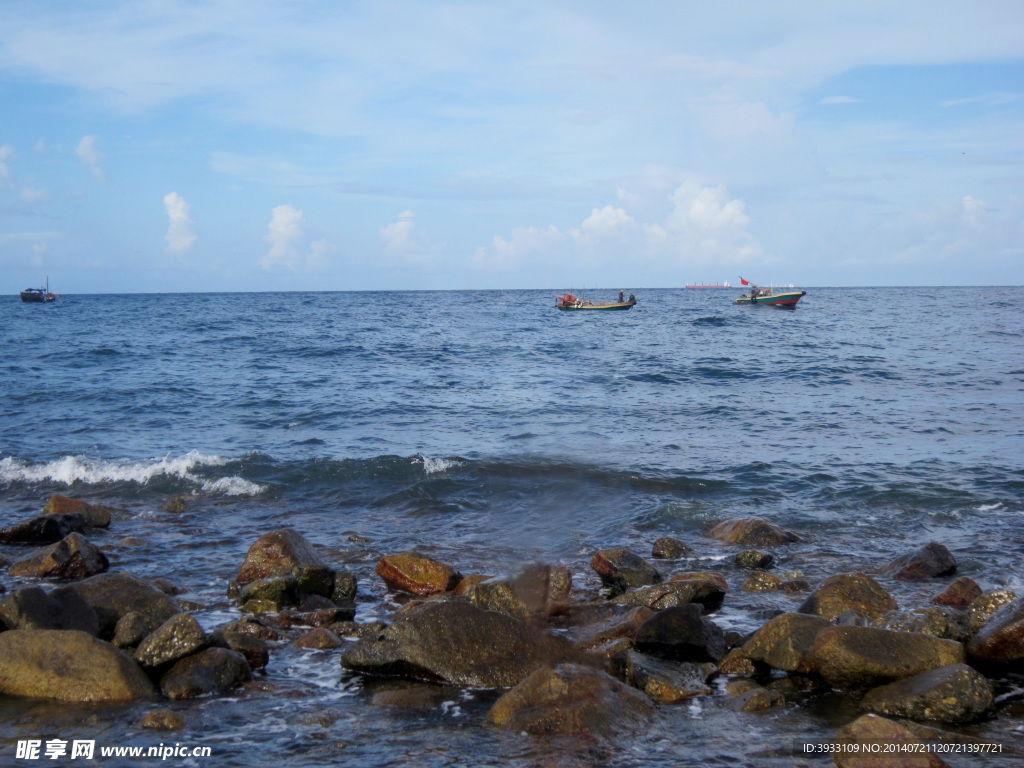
[(491, 428)]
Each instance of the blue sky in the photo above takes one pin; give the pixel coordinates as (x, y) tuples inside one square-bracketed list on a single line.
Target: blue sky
[(181, 146)]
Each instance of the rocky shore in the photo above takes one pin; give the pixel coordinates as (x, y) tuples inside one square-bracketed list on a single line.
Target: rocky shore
[(559, 660)]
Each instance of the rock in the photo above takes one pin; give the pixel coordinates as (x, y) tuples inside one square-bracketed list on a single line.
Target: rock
[(319, 639), (321, 618), (736, 664), (681, 633), (131, 629), (470, 581), (929, 562), (345, 587), (758, 699), (794, 585), (959, 594), (176, 638), (785, 642), (762, 581), (356, 631), (849, 658), (407, 694), (621, 569), (752, 532), (214, 670), (176, 505), (252, 647), (417, 574), (621, 623), (162, 720), (113, 595), (315, 580), (277, 553), (62, 608), (936, 621), (67, 665), (1001, 639), (48, 529), (667, 548), (982, 608), (571, 700), (664, 682), (846, 592), (714, 576), (864, 736), (458, 643), (953, 694), (73, 557), (706, 592), (535, 593), (269, 595), (95, 516), (755, 560), (250, 625)]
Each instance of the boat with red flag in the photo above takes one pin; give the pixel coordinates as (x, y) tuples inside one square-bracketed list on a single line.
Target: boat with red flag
[(769, 297), (568, 302)]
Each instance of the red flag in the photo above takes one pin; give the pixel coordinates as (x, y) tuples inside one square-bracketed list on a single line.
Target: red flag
[(743, 282)]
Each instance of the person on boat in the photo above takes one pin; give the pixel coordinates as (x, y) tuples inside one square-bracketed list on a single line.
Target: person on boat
[(621, 294), (632, 299)]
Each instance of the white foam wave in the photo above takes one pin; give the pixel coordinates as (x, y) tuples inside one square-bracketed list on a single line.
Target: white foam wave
[(233, 486), (990, 507), (433, 466)]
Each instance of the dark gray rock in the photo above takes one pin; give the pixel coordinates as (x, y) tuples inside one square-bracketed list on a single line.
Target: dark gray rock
[(681, 633), (48, 529), (32, 608), (113, 595), (211, 671), (621, 569), (931, 561), (667, 548)]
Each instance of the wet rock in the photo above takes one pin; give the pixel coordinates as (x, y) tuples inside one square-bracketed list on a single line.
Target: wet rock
[(936, 621), (470, 581), (982, 608), (131, 629), (752, 532), (62, 608), (793, 586), (407, 694), (48, 529), (277, 553), (953, 694), (166, 587), (785, 642), (458, 643), (762, 581), (176, 505), (417, 574), (714, 576), (755, 560), (1001, 639), (850, 658), (622, 623), (321, 618), (736, 664), (706, 592), (315, 580), (848, 592), (667, 548), (176, 638), (535, 593), (113, 595), (95, 516), (357, 631), (211, 671), (571, 700), (67, 665), (867, 732), (250, 625), (681, 633), (319, 639), (345, 587), (758, 699), (959, 594), (162, 720), (269, 595), (664, 682), (73, 557), (929, 562), (252, 647), (621, 569)]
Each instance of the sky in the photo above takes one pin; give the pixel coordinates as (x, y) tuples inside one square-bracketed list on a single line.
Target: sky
[(161, 145)]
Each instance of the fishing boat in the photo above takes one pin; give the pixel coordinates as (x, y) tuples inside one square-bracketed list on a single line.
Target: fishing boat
[(569, 303), (38, 295), (769, 297), (726, 284)]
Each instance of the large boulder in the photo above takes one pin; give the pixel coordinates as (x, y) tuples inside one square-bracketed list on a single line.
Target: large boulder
[(681, 633), (1001, 639), (785, 642), (114, 595), (621, 569), (95, 516), (848, 592), (277, 553), (861, 742), (67, 665), (706, 592), (572, 700), (664, 682), (459, 643), (959, 594), (985, 605), (536, 592), (752, 532), (935, 620), (417, 574), (176, 638), (953, 694), (48, 529), (73, 557), (851, 657), (211, 671), (929, 562), (32, 608)]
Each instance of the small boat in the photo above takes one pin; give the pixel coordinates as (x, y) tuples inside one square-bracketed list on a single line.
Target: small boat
[(768, 297), (709, 285), (38, 295), (568, 303)]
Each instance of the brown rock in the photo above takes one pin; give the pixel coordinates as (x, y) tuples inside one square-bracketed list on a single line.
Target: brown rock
[(937, 621), (707, 592), (762, 581), (714, 576), (176, 638), (953, 694), (621, 624), (736, 664), (667, 548), (982, 608), (417, 574), (758, 699), (470, 581), (536, 592), (73, 557), (214, 670), (319, 639), (872, 731), (621, 569), (959, 594), (752, 532), (113, 595), (664, 682), (48, 529), (252, 647), (755, 560), (785, 642), (276, 554), (95, 516), (929, 562), (848, 592), (162, 720), (1001, 639)]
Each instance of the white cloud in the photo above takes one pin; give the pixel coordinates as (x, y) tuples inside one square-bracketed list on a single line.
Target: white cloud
[(318, 258), (6, 155), (523, 242), (840, 100), (397, 236), (603, 223), (179, 235), (283, 232), (90, 157)]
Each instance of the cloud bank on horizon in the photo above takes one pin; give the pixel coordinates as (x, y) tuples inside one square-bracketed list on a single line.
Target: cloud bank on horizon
[(323, 146)]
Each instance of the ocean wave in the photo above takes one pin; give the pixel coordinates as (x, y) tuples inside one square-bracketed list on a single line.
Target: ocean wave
[(434, 466)]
